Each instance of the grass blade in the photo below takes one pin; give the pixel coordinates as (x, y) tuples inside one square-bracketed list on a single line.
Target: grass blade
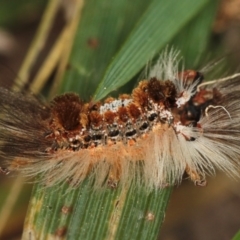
[(159, 24)]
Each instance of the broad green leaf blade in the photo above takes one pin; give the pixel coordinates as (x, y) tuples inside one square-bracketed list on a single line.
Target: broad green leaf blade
[(160, 23), (12, 12), (143, 214), (104, 27), (86, 214), (193, 40), (236, 236)]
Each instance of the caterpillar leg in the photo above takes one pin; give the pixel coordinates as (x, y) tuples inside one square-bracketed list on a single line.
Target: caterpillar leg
[(113, 177), (198, 179)]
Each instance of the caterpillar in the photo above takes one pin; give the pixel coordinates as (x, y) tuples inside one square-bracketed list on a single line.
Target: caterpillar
[(172, 123)]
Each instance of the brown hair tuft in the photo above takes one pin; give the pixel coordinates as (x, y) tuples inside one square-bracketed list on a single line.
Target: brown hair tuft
[(66, 110)]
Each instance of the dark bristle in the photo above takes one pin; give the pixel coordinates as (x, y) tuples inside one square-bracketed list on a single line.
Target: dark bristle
[(67, 108), (134, 111), (124, 96), (123, 114), (94, 106), (68, 97), (160, 91), (199, 76), (95, 119), (190, 76), (170, 92), (140, 94), (109, 100), (109, 117), (155, 90), (24, 121), (217, 96)]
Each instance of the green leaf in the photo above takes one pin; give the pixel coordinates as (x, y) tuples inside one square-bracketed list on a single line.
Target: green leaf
[(236, 236), (145, 27), (12, 12), (102, 30), (193, 40), (159, 24)]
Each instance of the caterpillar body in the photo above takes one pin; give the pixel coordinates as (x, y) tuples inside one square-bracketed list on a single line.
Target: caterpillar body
[(172, 123)]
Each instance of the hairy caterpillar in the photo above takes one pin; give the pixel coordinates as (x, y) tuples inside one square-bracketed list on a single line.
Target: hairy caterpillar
[(170, 124)]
